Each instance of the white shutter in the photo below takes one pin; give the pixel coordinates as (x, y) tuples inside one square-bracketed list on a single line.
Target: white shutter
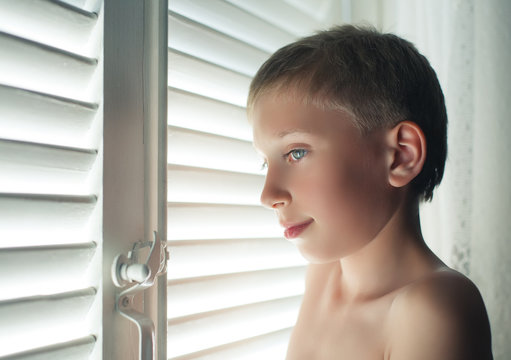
[(234, 284), (50, 176)]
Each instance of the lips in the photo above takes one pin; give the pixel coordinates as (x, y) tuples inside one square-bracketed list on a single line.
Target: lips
[(293, 231)]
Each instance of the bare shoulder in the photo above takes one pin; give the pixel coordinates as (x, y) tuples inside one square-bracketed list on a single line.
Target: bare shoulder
[(443, 291), (439, 317)]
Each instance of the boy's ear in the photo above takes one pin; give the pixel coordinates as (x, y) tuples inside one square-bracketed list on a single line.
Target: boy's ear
[(407, 152)]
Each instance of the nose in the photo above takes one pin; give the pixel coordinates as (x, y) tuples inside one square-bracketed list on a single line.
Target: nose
[(274, 194)]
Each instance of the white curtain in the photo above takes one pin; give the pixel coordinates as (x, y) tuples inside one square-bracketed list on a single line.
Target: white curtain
[(468, 223)]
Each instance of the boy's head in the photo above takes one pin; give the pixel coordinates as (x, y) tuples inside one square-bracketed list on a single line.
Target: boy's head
[(380, 79)]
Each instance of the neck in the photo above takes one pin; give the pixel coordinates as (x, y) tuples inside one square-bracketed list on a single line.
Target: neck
[(395, 257)]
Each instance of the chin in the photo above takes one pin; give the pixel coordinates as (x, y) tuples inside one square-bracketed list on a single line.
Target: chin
[(314, 256)]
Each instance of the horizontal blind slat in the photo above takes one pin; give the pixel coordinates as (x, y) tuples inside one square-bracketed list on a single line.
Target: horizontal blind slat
[(195, 112), (93, 6), (200, 77), (195, 333), (196, 40), (79, 349), (44, 169), (49, 22), (27, 219), (45, 320), (51, 120), (37, 67), (193, 148), (186, 297), (204, 221), (44, 269), (196, 185), (268, 346), (42, 155), (295, 21), (213, 257), (233, 21)]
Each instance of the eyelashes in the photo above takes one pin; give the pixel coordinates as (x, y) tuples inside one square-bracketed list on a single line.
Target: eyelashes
[(292, 156), (296, 154)]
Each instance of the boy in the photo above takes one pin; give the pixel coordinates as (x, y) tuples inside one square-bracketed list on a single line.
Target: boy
[(352, 126)]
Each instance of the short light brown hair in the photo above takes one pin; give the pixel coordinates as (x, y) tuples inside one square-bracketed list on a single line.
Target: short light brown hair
[(381, 79)]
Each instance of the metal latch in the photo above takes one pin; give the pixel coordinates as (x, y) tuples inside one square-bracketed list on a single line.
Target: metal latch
[(129, 271)]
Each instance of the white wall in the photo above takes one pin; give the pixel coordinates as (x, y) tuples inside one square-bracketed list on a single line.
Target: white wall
[(491, 221)]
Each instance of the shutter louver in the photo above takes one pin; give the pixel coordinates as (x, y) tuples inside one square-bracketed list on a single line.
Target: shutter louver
[(50, 176), (234, 284)]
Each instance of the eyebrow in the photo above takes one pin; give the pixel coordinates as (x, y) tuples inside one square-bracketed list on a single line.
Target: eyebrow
[(292, 131)]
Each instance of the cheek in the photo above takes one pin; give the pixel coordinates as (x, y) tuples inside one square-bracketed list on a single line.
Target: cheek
[(329, 194), (350, 200)]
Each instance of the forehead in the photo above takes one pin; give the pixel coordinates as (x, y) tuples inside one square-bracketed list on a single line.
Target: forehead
[(278, 115)]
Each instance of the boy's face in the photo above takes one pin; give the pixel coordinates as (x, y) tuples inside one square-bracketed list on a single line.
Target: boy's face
[(326, 181)]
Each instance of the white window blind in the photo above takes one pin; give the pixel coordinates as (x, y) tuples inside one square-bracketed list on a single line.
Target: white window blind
[(234, 284), (50, 179)]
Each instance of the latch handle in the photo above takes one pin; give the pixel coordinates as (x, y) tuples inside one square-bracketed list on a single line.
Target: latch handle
[(134, 272), (127, 270)]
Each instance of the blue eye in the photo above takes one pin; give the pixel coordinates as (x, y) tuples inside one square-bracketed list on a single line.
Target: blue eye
[(297, 154)]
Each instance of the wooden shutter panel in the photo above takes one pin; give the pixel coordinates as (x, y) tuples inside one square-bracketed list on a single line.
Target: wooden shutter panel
[(50, 234), (235, 284)]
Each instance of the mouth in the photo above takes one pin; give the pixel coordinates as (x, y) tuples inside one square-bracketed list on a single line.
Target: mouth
[(293, 231)]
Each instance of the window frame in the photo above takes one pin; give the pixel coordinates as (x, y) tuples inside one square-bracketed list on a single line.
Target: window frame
[(134, 177)]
